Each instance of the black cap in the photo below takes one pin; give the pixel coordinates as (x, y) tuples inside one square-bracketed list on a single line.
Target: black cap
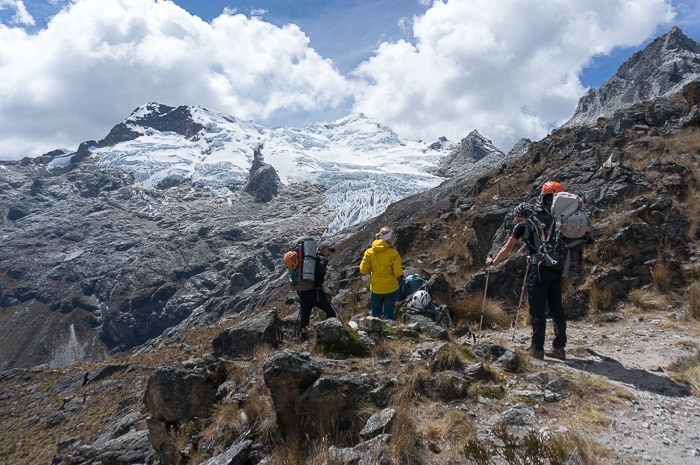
[(326, 245)]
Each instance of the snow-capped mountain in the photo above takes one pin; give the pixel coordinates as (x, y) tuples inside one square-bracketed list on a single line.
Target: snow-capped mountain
[(363, 165)]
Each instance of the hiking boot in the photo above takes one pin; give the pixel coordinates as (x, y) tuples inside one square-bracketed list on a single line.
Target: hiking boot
[(535, 353), (558, 353)]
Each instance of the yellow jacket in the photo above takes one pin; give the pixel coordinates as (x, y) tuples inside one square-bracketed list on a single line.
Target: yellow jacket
[(383, 263)]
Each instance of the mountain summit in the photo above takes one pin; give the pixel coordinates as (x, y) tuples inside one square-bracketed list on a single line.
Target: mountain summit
[(363, 165), (660, 69)]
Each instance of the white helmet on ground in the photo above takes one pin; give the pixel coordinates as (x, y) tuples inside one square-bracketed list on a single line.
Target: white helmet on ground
[(420, 300)]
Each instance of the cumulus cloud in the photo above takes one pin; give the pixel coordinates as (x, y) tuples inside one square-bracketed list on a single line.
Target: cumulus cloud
[(508, 69), (21, 16), (97, 60)]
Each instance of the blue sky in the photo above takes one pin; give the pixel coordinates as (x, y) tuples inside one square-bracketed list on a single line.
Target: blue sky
[(72, 69), (346, 30)]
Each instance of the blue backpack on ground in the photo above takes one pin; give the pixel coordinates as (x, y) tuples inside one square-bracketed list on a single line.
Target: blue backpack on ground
[(408, 285)]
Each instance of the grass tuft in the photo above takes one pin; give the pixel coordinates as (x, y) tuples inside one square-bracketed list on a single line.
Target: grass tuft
[(661, 276), (694, 301), (647, 300), (601, 299), (468, 311), (687, 371)]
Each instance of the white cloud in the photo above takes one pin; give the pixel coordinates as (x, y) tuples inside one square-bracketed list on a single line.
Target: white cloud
[(21, 16), (508, 69), (97, 60)]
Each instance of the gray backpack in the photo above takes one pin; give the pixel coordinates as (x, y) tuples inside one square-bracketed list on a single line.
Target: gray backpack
[(570, 216)]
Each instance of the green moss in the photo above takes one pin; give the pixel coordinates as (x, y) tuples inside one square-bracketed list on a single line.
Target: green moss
[(351, 347), (493, 393), (525, 400)]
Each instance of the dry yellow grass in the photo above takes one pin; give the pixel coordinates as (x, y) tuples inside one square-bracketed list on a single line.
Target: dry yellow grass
[(414, 380), (687, 371), (694, 301), (661, 276), (449, 357), (31, 438), (587, 387), (450, 426), (576, 444), (227, 421), (592, 397), (288, 451), (601, 299), (683, 148), (645, 299), (404, 437), (389, 348), (468, 311), (692, 205)]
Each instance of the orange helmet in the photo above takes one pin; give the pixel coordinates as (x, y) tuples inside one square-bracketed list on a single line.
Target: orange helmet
[(552, 187), (291, 259)]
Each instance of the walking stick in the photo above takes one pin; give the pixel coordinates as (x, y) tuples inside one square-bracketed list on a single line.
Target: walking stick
[(520, 302), (483, 302)]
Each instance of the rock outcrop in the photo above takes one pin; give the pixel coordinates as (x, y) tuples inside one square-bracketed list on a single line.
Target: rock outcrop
[(105, 265), (263, 182), (661, 69)]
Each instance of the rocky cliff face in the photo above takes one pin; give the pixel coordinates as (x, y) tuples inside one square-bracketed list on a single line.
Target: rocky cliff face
[(95, 264), (472, 151), (661, 69)]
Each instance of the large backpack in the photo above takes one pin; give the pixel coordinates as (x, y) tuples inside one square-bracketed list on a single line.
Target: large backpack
[(303, 276), (570, 215), (409, 285), (549, 244)]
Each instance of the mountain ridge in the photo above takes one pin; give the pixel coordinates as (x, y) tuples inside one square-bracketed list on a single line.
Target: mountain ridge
[(662, 68), (215, 150)]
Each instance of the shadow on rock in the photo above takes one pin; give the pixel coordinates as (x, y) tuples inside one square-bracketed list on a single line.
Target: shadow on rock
[(640, 379)]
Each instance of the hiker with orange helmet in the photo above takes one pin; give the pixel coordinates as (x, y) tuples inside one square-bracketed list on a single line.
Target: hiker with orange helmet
[(552, 187), (317, 296), (544, 201), (543, 286), (575, 247)]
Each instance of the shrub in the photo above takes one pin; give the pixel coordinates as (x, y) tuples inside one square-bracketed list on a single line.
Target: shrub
[(533, 448), (601, 298), (661, 276)]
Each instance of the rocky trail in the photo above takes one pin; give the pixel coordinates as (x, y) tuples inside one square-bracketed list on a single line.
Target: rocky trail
[(656, 420)]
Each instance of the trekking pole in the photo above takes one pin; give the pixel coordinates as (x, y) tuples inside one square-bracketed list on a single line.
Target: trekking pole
[(520, 302), (337, 315), (483, 302)]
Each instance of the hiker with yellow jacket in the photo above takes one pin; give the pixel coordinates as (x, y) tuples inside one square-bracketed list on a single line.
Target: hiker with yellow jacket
[(383, 263)]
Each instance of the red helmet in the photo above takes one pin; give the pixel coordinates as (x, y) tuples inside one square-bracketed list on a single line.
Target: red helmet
[(291, 259), (552, 187)]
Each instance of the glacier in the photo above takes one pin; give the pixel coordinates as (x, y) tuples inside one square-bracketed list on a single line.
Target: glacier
[(363, 165)]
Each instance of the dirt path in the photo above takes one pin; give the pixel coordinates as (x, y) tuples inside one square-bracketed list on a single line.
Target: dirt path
[(658, 421)]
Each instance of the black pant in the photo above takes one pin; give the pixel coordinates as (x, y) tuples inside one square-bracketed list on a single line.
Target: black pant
[(310, 299), (544, 293)]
